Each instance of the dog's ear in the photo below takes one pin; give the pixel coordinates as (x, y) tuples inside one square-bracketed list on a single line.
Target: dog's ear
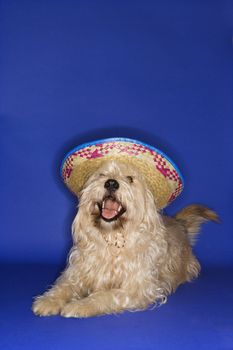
[(151, 219), (75, 228), (78, 229)]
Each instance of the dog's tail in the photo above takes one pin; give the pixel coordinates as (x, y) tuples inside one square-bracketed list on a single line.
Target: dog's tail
[(193, 216)]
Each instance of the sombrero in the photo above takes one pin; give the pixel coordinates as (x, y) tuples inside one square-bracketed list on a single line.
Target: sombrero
[(160, 173)]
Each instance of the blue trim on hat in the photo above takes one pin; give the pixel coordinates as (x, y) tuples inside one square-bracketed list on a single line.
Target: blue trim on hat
[(120, 139)]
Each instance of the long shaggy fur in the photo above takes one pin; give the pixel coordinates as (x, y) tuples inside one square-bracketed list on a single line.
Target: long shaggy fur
[(129, 263)]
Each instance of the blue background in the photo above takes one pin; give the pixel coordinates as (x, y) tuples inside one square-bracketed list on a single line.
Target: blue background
[(73, 71)]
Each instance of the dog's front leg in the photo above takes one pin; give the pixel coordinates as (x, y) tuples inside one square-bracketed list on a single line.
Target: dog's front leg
[(101, 302), (52, 301)]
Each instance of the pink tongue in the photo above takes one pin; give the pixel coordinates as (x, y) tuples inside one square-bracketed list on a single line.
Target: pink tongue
[(110, 209)]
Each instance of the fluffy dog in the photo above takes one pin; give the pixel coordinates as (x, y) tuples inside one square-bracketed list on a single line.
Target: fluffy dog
[(125, 255)]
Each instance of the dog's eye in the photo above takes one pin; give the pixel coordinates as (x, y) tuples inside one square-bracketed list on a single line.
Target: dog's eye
[(130, 178), (101, 175)]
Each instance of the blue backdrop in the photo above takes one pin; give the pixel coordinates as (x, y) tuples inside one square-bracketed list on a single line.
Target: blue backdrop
[(73, 71)]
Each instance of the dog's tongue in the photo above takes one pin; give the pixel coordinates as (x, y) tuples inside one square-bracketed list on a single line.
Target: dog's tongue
[(110, 209)]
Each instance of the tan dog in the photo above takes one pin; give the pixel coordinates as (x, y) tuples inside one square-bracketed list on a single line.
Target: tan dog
[(126, 255)]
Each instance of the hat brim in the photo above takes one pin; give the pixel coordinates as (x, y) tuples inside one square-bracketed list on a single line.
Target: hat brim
[(161, 174)]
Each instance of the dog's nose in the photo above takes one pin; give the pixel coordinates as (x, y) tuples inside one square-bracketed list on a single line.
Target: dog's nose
[(111, 185)]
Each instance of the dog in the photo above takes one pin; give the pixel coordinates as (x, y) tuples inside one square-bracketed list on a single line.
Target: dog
[(126, 255)]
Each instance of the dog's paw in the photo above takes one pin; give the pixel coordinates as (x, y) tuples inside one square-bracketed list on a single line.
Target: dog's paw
[(45, 305), (78, 309)]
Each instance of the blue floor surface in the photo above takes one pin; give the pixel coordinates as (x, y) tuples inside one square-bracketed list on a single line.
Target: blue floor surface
[(198, 316)]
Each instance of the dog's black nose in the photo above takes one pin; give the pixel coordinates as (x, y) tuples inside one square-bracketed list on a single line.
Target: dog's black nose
[(111, 185)]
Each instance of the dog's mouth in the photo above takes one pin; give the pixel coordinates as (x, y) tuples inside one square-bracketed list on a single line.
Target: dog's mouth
[(110, 209)]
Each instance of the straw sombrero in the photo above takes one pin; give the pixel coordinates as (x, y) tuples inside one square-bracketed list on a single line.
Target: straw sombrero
[(161, 174)]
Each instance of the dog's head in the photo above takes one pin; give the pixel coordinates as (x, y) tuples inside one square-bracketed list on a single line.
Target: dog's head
[(115, 195)]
